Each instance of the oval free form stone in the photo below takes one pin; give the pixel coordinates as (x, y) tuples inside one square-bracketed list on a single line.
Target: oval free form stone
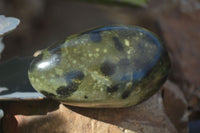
[(107, 67)]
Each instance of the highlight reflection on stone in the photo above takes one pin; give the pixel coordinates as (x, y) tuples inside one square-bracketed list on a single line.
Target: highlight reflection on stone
[(108, 67)]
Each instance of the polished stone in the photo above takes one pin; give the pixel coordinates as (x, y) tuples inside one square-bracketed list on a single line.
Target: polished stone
[(107, 67)]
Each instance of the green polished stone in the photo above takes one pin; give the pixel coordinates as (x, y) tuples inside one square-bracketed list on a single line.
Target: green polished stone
[(107, 67)]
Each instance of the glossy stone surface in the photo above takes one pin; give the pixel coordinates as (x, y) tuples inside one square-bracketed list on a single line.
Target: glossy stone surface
[(107, 67)]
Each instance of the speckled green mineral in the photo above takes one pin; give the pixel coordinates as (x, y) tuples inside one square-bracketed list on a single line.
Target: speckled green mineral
[(107, 67)]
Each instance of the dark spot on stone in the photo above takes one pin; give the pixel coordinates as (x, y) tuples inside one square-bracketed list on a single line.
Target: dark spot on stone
[(118, 44), (125, 94), (65, 91), (86, 97), (108, 68), (124, 62), (112, 88), (95, 36), (76, 74), (47, 94)]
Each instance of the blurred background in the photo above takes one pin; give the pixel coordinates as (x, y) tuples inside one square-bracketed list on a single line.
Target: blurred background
[(176, 22)]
